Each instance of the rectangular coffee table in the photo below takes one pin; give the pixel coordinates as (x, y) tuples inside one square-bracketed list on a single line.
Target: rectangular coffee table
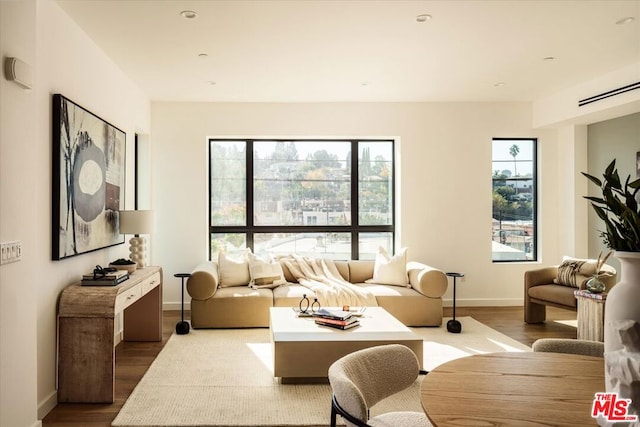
[(303, 351)]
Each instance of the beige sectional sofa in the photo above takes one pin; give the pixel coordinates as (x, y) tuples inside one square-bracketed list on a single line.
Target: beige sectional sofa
[(212, 306)]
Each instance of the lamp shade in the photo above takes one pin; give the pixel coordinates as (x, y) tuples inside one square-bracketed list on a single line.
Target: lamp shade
[(136, 222)]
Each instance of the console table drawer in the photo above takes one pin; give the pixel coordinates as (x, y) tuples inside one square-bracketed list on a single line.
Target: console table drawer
[(127, 298), (150, 283)]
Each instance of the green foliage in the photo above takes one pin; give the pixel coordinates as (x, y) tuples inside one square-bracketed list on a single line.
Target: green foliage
[(505, 191), (618, 208)]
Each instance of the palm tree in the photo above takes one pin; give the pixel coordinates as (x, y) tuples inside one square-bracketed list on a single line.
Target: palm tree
[(514, 150)]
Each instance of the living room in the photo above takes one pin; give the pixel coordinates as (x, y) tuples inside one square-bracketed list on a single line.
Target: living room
[(443, 158)]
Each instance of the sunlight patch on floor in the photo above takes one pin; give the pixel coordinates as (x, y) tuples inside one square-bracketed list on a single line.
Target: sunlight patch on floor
[(263, 352), (504, 346), (573, 323)]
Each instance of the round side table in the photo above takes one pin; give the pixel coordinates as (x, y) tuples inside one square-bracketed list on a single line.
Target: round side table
[(182, 327), (454, 326)]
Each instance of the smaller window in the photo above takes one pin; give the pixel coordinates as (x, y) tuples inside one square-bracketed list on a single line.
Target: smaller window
[(514, 200)]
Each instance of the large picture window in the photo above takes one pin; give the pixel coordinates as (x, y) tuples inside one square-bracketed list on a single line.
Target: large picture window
[(514, 200), (320, 198)]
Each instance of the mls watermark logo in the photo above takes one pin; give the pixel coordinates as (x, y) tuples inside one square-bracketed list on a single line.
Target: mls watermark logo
[(612, 408)]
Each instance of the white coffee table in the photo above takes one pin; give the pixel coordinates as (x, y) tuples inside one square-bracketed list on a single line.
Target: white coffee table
[(303, 351)]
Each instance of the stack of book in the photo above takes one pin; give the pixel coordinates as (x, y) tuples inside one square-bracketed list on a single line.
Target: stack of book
[(105, 278), (338, 319), (588, 294)]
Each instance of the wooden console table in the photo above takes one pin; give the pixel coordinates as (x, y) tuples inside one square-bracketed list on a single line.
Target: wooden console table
[(87, 336)]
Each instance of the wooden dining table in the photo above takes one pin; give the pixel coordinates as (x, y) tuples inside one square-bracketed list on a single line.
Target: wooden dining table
[(513, 389)]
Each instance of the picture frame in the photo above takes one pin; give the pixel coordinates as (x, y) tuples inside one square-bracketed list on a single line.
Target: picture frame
[(88, 177)]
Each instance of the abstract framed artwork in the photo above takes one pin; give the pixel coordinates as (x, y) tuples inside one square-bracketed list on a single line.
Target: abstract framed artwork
[(88, 180)]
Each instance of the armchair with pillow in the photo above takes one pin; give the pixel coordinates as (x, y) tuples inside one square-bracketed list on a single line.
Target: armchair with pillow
[(554, 286)]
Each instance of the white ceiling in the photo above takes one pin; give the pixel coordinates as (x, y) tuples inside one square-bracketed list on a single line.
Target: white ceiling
[(333, 51)]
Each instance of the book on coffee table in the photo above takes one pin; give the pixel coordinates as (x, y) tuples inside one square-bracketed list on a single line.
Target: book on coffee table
[(333, 314), (338, 324)]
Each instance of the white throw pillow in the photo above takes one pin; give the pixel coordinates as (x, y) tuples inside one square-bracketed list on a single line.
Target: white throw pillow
[(390, 270), (264, 274), (234, 270)]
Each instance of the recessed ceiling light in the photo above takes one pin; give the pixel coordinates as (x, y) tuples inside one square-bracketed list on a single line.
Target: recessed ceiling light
[(625, 20), (364, 84), (424, 17), (211, 83), (499, 84), (203, 55), (549, 58), (188, 14)]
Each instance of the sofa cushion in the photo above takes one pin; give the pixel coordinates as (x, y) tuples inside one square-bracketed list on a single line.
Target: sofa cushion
[(290, 294), (264, 274), (558, 294), (573, 272), (234, 270), (390, 270), (360, 270), (234, 307)]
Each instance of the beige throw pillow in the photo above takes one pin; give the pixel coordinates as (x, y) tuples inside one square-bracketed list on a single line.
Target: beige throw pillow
[(390, 270), (234, 270), (574, 272), (264, 274)]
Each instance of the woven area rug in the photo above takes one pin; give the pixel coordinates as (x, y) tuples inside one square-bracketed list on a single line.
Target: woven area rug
[(225, 378)]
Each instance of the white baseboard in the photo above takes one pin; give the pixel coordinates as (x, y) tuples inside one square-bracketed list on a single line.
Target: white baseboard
[(176, 306), (37, 424), (46, 405), (484, 302)]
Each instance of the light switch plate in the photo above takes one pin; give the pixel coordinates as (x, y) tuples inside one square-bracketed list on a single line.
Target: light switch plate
[(10, 252)]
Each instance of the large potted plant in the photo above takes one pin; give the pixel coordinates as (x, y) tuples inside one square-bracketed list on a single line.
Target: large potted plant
[(618, 209)]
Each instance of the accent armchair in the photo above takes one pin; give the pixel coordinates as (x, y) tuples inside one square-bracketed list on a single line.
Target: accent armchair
[(540, 290), (361, 379), (566, 345)]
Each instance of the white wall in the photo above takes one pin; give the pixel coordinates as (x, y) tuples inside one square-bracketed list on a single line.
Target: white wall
[(612, 139), (444, 179), (18, 281), (65, 61)]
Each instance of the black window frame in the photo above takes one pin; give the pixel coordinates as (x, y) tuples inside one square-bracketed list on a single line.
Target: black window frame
[(534, 192), (250, 229)]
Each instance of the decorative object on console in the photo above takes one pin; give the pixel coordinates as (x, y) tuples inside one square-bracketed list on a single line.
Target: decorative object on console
[(618, 208), (182, 327), (124, 264), (137, 223), (454, 326), (88, 180), (101, 276)]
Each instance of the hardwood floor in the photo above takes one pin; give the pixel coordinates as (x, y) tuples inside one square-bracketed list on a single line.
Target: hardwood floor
[(133, 358)]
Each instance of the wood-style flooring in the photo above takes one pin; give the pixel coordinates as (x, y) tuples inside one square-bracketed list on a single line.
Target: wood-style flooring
[(133, 358)]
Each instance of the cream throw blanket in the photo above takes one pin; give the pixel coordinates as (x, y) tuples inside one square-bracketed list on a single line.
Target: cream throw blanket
[(323, 278)]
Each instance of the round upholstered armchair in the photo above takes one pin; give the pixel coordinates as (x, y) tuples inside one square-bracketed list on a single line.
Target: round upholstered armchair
[(361, 379)]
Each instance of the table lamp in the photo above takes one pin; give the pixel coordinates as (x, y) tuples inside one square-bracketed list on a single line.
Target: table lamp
[(137, 223)]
